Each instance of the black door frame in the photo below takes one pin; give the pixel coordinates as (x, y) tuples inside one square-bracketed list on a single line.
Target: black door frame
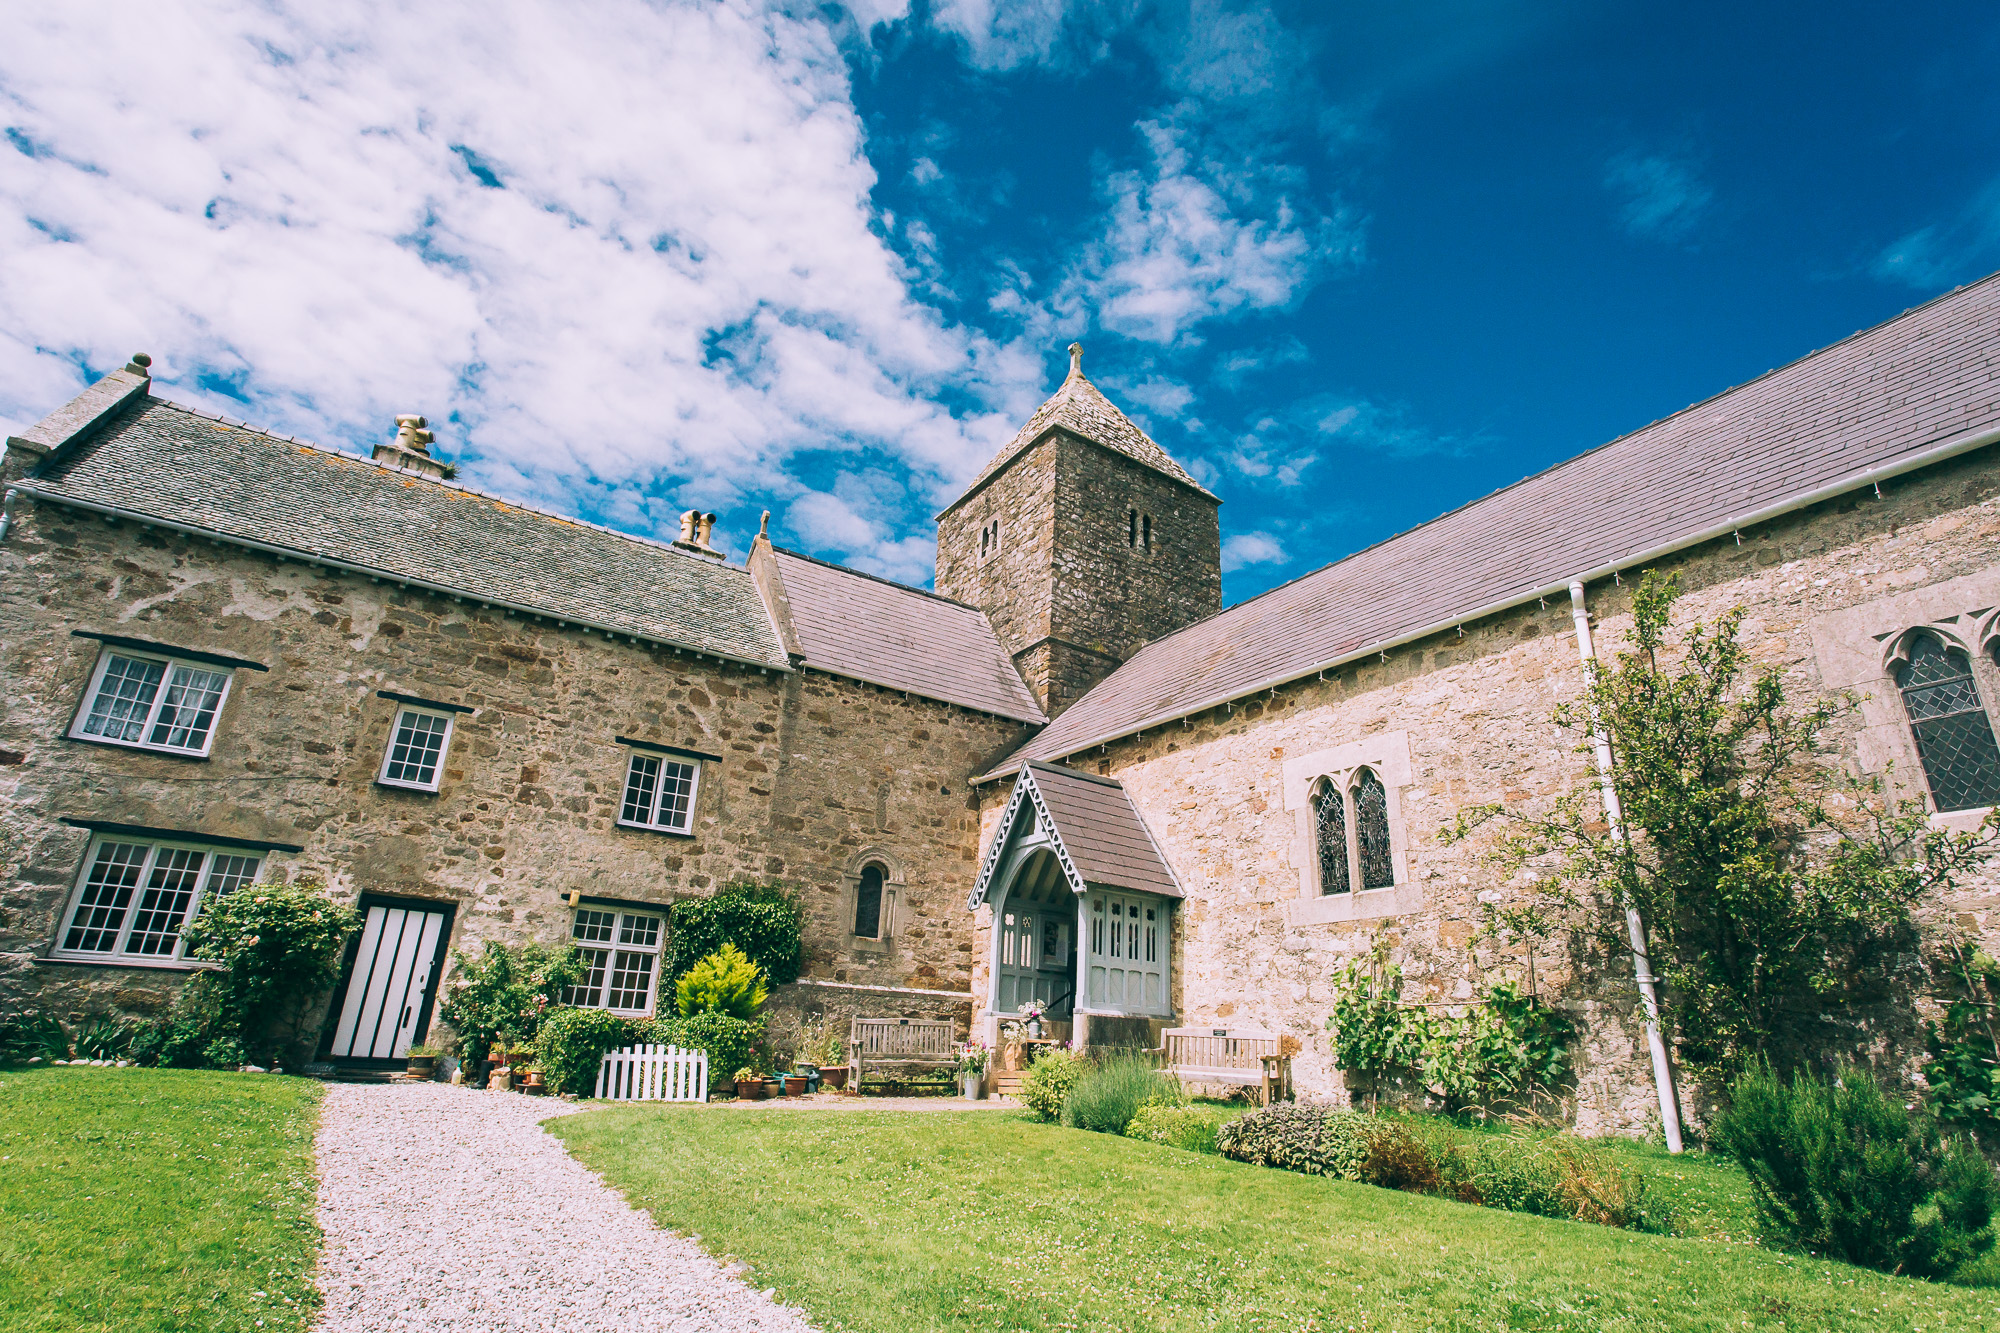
[(423, 1028)]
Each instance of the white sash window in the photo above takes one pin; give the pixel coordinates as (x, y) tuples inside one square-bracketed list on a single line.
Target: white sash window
[(152, 703), (659, 793), (621, 956), (134, 898), (417, 747)]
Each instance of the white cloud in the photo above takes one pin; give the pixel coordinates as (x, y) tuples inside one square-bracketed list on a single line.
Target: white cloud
[(857, 519), (1955, 250), (1660, 197), (1251, 548), (623, 256), (1189, 239)]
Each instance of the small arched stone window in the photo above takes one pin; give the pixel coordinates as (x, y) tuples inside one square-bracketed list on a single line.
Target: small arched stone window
[(1953, 734), (868, 902), (1330, 837), (1371, 829)]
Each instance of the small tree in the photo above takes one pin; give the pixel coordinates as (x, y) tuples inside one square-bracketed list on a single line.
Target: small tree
[(725, 982), (1772, 886)]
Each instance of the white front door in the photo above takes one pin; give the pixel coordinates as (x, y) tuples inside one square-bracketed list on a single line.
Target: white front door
[(390, 980)]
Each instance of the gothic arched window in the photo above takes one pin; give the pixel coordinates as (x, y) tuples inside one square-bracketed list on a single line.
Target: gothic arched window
[(1953, 734), (1371, 827), (868, 903), (1330, 833)]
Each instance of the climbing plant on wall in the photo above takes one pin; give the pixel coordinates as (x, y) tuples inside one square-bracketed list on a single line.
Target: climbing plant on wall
[(1774, 887), (763, 920)]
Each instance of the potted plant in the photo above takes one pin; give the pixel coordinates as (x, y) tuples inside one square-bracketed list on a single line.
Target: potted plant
[(749, 1084), (832, 1051), (972, 1058), (794, 1084), (1032, 1012), (421, 1061)]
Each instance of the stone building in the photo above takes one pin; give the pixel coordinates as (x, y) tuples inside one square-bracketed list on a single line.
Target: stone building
[(1072, 777)]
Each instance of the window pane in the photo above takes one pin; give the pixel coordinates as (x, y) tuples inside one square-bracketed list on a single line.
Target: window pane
[(676, 793), (643, 931), (124, 698), (163, 907), (588, 992), (631, 982), (413, 757), (868, 907), (1371, 823), (107, 894), (594, 927), (1953, 734), (227, 874), (188, 712), (1330, 831), (642, 780)]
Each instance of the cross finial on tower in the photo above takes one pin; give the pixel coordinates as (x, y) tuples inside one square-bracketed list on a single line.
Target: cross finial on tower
[(1076, 361)]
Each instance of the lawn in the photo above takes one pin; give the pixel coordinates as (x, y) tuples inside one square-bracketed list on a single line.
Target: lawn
[(147, 1199), (897, 1222)]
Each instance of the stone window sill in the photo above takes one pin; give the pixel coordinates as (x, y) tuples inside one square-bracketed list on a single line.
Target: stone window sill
[(129, 965), (1368, 905)]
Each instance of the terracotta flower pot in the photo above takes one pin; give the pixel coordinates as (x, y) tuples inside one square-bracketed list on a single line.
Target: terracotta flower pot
[(833, 1076), (421, 1066), (795, 1085), (750, 1089)]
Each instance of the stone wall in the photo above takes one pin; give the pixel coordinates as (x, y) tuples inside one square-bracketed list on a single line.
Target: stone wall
[(815, 771), (1457, 721)]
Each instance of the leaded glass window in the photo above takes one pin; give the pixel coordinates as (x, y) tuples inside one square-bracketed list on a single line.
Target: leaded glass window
[(136, 898), (868, 904), (1953, 734), (1371, 827), (153, 702), (1330, 833)]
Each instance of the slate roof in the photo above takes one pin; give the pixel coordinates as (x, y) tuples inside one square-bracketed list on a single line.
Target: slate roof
[(1928, 377), (1080, 408), (853, 624), (165, 461), (1102, 830)]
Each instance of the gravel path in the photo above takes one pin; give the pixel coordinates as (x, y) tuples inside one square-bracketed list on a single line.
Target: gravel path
[(450, 1209)]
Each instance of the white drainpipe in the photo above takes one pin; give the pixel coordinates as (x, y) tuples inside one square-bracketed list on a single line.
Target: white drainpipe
[(6, 512), (1635, 925)]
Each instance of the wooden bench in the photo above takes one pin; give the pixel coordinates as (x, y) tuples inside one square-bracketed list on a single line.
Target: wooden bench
[(1242, 1057), (920, 1042)]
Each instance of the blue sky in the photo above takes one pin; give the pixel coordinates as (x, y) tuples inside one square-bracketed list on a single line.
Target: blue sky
[(1352, 264)]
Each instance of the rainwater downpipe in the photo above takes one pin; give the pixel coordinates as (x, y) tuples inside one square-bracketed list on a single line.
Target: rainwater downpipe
[(6, 512), (1635, 925)]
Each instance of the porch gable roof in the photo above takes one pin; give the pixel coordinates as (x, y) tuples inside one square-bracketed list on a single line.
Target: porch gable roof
[(1095, 830)]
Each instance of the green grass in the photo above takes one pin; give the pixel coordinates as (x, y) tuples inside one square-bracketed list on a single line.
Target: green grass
[(144, 1199), (914, 1221)]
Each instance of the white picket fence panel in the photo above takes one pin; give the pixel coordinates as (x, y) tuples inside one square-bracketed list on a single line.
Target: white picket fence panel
[(653, 1074)]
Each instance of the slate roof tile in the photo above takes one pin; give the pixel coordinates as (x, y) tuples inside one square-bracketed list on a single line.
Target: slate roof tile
[(853, 624), (1103, 831), (169, 462)]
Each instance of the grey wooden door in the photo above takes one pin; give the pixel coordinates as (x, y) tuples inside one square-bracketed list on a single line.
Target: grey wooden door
[(390, 983)]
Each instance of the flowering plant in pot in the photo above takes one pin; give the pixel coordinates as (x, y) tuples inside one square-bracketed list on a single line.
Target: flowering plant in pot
[(1031, 1014), (972, 1060), (749, 1084)]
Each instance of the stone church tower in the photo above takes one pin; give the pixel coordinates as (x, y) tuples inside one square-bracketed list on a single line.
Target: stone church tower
[(1082, 541)]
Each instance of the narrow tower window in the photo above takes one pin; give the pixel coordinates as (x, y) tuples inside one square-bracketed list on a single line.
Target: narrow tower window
[(1146, 531), (868, 903), (1953, 734), (1131, 527)]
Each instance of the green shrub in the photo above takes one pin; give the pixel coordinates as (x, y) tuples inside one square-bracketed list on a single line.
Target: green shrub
[(1049, 1081), (103, 1039), (1186, 1127), (503, 994), (32, 1037), (725, 982), (571, 1045), (1314, 1139), (202, 1015), (1553, 1175), (762, 920), (730, 1042), (281, 947), (1842, 1168), (1111, 1092), (1418, 1156)]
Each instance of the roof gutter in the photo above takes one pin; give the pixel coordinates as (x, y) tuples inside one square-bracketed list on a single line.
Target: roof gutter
[(384, 575), (1873, 476)]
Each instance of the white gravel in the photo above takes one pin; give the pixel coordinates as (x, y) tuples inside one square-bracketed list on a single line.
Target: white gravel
[(446, 1208)]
